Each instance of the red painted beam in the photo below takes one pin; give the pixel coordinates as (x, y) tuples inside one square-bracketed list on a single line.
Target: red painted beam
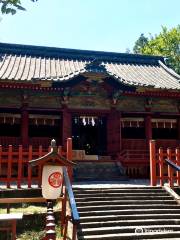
[(37, 87)]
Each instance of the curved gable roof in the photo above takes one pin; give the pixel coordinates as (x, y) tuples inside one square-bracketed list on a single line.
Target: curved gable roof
[(27, 63)]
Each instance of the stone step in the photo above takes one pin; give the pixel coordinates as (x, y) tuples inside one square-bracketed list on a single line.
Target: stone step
[(106, 187), (129, 206), (131, 211), (110, 198), (102, 195), (126, 217), (129, 229), (168, 238), (116, 202), (127, 213), (129, 236), (120, 190), (136, 222), (98, 171), (86, 177), (134, 201)]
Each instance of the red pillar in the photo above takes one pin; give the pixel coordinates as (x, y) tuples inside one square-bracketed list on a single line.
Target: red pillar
[(66, 126), (153, 178), (120, 135), (178, 128), (24, 126), (69, 157), (148, 128), (114, 132)]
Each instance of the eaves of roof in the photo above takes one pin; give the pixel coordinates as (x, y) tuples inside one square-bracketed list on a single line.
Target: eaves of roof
[(31, 63), (66, 53)]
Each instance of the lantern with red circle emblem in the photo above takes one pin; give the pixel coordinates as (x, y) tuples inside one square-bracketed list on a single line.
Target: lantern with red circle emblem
[(52, 165)]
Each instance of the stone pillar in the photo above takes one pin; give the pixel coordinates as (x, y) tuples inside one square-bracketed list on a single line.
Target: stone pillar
[(24, 126)]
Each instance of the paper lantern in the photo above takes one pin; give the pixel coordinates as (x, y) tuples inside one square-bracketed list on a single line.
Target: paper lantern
[(52, 176)]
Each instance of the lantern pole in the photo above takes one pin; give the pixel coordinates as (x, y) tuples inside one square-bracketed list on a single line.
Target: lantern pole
[(52, 178), (50, 222)]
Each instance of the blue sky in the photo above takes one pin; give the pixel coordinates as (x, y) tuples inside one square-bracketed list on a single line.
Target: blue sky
[(107, 25)]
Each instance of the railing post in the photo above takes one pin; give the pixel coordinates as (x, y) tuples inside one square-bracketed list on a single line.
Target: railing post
[(74, 232), (170, 170), (20, 167), (65, 228), (60, 150), (29, 167), (178, 163), (153, 177), (69, 149), (161, 167), (40, 168), (63, 212), (72, 204), (69, 157), (9, 166)]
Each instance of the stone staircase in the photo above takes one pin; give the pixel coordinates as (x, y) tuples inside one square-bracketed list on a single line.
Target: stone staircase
[(98, 171), (127, 213)]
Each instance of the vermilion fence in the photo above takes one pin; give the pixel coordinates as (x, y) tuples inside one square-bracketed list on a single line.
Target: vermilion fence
[(14, 167), (135, 162), (160, 171)]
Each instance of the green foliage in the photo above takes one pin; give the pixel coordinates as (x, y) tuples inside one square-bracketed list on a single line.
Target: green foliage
[(37, 234), (140, 43), (167, 44), (31, 235), (11, 6)]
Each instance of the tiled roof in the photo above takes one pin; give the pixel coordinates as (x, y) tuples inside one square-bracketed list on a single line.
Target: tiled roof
[(26, 63)]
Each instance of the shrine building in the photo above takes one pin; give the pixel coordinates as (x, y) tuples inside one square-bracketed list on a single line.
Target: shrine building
[(110, 104)]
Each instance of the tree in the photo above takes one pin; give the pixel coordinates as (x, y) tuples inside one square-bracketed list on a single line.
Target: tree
[(167, 44), (128, 50), (11, 6), (140, 43)]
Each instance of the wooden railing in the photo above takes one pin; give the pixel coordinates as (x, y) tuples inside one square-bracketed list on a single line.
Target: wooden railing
[(16, 141), (134, 156), (173, 168), (14, 167), (142, 144), (40, 141), (132, 144), (19, 158), (164, 165), (6, 141), (167, 143), (135, 162), (74, 215)]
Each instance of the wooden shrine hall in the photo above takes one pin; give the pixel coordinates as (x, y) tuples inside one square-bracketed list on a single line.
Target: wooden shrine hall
[(110, 104)]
